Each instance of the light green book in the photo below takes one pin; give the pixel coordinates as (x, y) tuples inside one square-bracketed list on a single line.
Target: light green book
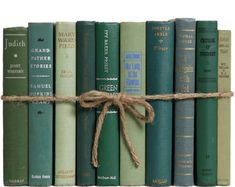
[(133, 83), (224, 112), (65, 113)]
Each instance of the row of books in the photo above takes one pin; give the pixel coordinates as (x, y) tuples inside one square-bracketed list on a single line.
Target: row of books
[(47, 143)]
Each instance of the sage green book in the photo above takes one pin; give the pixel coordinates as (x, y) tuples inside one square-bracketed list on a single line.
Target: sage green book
[(15, 115), (132, 63), (224, 110), (65, 113)]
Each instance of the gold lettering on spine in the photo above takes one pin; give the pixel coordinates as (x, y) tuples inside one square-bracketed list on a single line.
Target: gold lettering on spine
[(160, 33)]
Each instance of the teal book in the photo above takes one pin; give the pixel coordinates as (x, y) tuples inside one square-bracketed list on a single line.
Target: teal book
[(65, 113), (41, 50), (159, 75), (132, 70), (15, 115), (85, 67), (206, 109), (107, 80), (184, 110)]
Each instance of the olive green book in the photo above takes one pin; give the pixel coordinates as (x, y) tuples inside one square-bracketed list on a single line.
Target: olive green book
[(224, 104), (65, 113), (132, 68), (15, 115)]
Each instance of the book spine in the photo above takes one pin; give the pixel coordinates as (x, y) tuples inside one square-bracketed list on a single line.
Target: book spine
[(65, 116), (184, 110), (224, 105), (132, 63), (160, 63), (206, 109), (107, 79), (15, 115), (40, 38), (85, 37)]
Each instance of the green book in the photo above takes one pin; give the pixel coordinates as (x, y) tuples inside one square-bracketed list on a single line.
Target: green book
[(15, 115), (132, 63), (85, 67), (159, 70), (65, 113), (206, 109), (40, 41), (107, 79), (224, 107)]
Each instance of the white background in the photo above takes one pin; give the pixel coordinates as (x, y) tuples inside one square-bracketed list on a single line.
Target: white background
[(20, 12)]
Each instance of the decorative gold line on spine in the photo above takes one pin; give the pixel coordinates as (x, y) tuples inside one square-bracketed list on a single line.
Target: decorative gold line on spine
[(184, 136), (15, 77), (184, 174), (188, 30), (14, 34), (185, 117), (184, 154), (186, 49)]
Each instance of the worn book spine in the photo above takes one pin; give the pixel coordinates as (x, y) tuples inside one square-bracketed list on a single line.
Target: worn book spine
[(132, 63), (15, 115), (184, 110), (85, 37), (206, 109), (65, 113), (107, 79), (224, 107), (159, 74), (40, 38)]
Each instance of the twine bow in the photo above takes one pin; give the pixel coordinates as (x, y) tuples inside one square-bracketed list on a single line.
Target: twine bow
[(122, 102)]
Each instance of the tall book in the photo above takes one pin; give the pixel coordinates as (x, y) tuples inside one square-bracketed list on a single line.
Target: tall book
[(160, 63), (224, 104), (15, 115), (184, 110), (132, 63), (40, 41), (65, 113), (107, 79), (85, 37), (206, 109)]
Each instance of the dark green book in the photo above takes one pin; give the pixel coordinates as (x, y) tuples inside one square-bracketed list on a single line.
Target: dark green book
[(206, 109), (185, 29), (41, 50), (15, 115), (107, 79), (160, 63), (85, 36)]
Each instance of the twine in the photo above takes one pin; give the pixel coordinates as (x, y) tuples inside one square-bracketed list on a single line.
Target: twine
[(122, 102)]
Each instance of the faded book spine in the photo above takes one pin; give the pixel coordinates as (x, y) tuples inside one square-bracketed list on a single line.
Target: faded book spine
[(65, 113), (132, 63), (224, 107)]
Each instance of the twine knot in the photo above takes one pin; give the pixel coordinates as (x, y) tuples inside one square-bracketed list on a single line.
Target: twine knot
[(122, 102)]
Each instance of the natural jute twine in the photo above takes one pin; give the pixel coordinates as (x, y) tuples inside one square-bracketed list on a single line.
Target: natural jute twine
[(122, 102)]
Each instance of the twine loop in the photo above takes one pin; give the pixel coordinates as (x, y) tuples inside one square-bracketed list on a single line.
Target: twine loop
[(122, 102)]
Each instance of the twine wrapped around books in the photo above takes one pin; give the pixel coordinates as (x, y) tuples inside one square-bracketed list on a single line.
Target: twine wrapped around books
[(122, 102)]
